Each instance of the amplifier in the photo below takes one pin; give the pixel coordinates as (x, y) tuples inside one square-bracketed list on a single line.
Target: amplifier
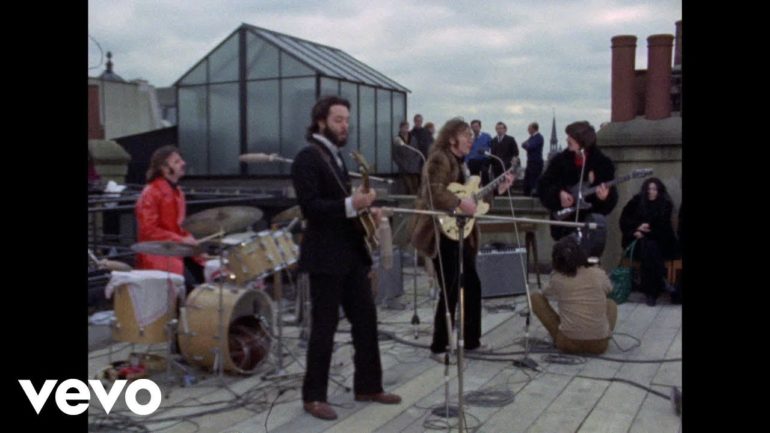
[(502, 271)]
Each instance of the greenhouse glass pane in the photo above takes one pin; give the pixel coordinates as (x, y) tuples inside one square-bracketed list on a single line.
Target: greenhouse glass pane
[(223, 62), (197, 75), (263, 123), (383, 132), (367, 138), (192, 129), (224, 142), (297, 99), (290, 67), (261, 58)]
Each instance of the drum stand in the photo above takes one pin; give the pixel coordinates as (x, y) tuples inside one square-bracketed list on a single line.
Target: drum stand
[(188, 378)]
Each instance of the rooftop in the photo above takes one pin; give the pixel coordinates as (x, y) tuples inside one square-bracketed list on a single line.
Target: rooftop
[(621, 391)]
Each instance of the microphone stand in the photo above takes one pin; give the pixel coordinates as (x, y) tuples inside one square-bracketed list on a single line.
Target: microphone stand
[(274, 157), (415, 317), (525, 361)]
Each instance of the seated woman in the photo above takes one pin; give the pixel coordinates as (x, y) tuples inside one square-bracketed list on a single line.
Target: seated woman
[(586, 316), (647, 218)]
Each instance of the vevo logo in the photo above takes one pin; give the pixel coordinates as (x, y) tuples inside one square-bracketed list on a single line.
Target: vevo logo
[(107, 399)]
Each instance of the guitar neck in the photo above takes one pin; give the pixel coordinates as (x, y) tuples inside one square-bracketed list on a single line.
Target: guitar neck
[(484, 191), (592, 190)]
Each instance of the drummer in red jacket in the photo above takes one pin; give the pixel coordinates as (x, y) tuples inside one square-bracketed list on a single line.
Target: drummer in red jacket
[(160, 212)]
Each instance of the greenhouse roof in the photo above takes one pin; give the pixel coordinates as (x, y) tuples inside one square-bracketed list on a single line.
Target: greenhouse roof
[(329, 61)]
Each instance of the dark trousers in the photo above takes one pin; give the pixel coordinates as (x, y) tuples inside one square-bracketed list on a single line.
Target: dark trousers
[(531, 175), (193, 274), (472, 295), (479, 167), (652, 269), (353, 292)]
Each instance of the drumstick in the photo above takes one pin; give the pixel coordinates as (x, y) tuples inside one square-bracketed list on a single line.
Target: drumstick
[(210, 237)]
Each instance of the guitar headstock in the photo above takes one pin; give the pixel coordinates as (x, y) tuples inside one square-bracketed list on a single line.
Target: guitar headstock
[(363, 167), (641, 172)]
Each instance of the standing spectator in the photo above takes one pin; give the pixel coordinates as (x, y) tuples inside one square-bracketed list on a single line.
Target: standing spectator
[(504, 147), (421, 136), (478, 162), (534, 147), (407, 160)]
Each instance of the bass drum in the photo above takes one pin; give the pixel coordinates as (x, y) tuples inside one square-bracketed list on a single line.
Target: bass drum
[(248, 318)]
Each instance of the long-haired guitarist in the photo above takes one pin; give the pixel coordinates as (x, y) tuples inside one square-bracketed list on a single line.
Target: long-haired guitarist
[(558, 185), (334, 254), (443, 167)]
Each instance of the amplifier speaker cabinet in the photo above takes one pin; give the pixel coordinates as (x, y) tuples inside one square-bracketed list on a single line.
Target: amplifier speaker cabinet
[(502, 271)]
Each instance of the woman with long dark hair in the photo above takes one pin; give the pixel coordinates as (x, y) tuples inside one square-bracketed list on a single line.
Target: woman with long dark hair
[(646, 218)]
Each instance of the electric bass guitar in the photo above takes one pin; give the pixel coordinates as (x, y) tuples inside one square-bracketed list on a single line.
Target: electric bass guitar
[(470, 189), (367, 225), (567, 212)]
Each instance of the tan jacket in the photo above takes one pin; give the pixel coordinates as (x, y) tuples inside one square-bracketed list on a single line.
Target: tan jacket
[(441, 169)]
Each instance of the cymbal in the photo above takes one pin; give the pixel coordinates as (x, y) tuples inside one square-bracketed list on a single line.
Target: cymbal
[(166, 248), (287, 214), (227, 219)]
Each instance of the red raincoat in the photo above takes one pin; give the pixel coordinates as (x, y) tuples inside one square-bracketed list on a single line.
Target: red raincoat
[(160, 212)]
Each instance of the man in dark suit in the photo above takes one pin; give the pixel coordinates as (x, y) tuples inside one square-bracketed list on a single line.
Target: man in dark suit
[(334, 255), (504, 147), (534, 147)]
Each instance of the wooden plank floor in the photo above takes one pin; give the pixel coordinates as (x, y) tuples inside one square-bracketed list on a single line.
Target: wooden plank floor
[(586, 395)]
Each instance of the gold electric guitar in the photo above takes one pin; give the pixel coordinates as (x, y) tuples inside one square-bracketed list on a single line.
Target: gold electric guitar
[(470, 189), (367, 226)]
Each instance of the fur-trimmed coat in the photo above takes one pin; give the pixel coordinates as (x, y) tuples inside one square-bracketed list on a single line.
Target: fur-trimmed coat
[(441, 169)]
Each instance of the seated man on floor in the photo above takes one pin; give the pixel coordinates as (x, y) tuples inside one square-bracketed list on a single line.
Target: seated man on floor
[(586, 316)]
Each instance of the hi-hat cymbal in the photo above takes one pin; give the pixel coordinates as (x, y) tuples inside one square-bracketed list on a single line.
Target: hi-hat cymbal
[(287, 214), (227, 219), (166, 248)]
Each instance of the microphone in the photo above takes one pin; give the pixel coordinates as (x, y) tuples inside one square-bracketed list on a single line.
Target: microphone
[(386, 243), (263, 157)]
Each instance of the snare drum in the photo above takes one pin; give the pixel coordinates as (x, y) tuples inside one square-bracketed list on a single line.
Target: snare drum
[(248, 318)]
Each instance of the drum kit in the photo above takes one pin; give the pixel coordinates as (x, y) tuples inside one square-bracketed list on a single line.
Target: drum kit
[(230, 306)]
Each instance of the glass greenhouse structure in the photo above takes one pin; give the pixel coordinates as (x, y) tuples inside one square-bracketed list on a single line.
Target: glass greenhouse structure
[(254, 92)]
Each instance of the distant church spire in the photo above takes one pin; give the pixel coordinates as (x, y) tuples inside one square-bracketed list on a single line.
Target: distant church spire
[(554, 141)]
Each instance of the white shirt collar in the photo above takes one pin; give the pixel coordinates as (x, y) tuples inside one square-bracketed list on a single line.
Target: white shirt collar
[(332, 148), (329, 145)]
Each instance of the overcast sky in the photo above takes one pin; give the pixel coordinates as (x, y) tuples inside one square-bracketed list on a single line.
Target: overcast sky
[(515, 61)]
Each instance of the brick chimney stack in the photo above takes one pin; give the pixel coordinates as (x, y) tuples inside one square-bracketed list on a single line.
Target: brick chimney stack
[(623, 59), (658, 94), (95, 127), (678, 46)]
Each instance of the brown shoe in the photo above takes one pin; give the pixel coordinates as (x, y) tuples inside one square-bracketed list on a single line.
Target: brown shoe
[(380, 397), (320, 409)]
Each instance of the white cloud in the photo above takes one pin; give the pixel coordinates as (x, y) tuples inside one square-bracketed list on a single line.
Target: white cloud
[(495, 60)]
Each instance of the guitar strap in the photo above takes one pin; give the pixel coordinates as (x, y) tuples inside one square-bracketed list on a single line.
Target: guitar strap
[(325, 157)]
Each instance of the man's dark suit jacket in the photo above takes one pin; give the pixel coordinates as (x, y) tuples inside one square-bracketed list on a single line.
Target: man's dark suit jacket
[(331, 240), (505, 150)]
